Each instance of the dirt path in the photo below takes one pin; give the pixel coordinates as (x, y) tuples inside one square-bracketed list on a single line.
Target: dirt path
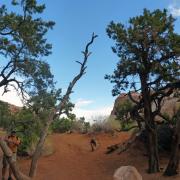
[(73, 159)]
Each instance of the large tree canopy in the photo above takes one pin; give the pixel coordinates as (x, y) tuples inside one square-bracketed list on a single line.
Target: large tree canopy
[(147, 47), (149, 60), (23, 46)]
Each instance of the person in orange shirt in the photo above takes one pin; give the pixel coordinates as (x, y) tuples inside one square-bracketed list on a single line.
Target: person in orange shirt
[(13, 142)]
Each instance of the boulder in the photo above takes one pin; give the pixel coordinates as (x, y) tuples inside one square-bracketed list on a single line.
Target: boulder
[(121, 99), (170, 105), (127, 173)]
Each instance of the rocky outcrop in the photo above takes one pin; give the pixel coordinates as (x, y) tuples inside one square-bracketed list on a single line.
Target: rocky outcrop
[(170, 105), (121, 99), (127, 173)]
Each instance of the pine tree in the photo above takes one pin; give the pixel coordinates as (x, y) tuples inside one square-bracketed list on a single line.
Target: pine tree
[(148, 51)]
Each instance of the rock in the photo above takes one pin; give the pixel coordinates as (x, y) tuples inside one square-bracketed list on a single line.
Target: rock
[(170, 105), (121, 99), (127, 173)]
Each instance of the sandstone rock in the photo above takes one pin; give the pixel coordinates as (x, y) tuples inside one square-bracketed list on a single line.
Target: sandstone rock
[(127, 173), (170, 105), (121, 99)]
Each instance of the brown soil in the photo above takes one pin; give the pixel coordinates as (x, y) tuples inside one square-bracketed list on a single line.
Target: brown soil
[(73, 159)]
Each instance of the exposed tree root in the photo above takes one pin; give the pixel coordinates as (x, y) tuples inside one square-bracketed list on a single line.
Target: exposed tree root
[(121, 147)]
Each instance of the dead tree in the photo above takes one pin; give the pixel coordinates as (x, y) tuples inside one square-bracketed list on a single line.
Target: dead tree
[(121, 147), (58, 110)]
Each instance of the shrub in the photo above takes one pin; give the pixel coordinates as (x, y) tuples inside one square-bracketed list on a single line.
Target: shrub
[(105, 124), (80, 125), (5, 115), (28, 129), (165, 133), (62, 125)]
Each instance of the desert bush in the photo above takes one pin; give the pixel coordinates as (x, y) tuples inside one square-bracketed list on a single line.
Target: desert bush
[(65, 124), (105, 124), (28, 129), (24, 122), (86, 127), (62, 125), (80, 125), (164, 133), (5, 115), (98, 126), (123, 115)]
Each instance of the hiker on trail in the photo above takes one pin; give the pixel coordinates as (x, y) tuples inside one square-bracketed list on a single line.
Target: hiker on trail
[(93, 143), (13, 142)]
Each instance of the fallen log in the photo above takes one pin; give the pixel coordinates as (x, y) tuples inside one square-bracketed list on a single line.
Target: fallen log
[(121, 147)]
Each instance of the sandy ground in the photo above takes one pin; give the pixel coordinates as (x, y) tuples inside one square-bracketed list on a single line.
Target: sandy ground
[(73, 159)]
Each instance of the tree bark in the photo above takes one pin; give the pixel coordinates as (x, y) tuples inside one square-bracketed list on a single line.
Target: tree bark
[(7, 152), (38, 149), (153, 162), (175, 152)]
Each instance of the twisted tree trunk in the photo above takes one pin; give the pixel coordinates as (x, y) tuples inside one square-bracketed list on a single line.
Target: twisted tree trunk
[(8, 153), (153, 162), (175, 152)]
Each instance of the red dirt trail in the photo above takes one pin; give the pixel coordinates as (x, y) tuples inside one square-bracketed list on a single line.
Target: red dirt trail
[(73, 159)]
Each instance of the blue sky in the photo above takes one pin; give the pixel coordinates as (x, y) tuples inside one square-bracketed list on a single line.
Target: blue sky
[(75, 22)]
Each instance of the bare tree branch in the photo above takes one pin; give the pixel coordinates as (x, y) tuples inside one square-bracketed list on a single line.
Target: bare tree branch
[(59, 109)]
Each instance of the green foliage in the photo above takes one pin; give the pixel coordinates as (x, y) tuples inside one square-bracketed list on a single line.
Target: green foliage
[(86, 127), (122, 112), (80, 125), (42, 101), (5, 115), (24, 122), (70, 124), (23, 44), (148, 48), (105, 124), (62, 125), (28, 129), (148, 51), (30, 121), (98, 126)]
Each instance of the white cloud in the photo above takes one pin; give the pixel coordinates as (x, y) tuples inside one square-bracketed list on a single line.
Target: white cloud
[(11, 97), (174, 8), (90, 114), (82, 103), (81, 109)]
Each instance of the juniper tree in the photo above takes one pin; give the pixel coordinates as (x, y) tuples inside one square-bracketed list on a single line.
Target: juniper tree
[(149, 54), (23, 46)]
